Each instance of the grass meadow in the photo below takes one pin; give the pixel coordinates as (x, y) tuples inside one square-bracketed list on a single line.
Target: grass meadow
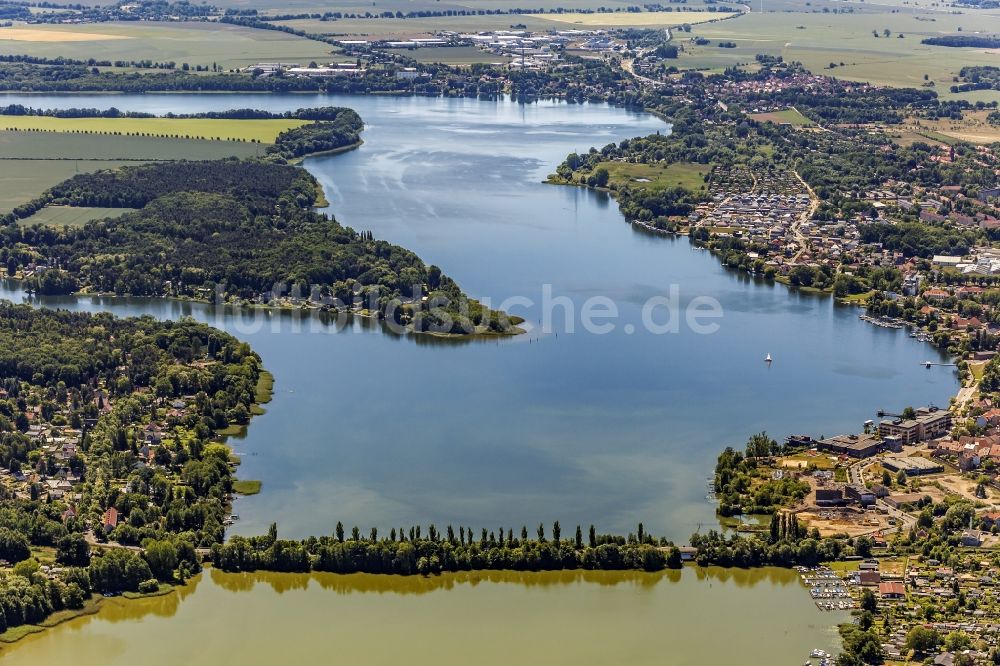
[(786, 116), (23, 180), (818, 40), (261, 131), (31, 162), (655, 176), (196, 43), (70, 216)]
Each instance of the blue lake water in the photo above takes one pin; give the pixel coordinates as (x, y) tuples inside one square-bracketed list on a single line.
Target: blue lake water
[(374, 429)]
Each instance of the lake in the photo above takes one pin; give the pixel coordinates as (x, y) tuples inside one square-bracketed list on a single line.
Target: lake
[(611, 428), (374, 429), (583, 618)]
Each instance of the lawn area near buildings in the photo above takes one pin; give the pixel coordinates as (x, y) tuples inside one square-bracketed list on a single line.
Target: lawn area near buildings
[(456, 55), (785, 117), (973, 128), (655, 176)]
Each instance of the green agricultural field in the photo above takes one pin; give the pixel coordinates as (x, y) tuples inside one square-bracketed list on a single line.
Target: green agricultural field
[(456, 55), (418, 27), (31, 162), (819, 40), (195, 43), (261, 131), (634, 19), (362, 6), (378, 28), (655, 176), (63, 146), (785, 117), (974, 96), (23, 180), (70, 216)]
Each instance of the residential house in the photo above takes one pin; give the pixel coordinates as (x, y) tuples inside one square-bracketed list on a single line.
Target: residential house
[(891, 590)]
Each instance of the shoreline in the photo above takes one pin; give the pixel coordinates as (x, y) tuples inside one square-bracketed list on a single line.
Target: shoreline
[(364, 314), (854, 300)]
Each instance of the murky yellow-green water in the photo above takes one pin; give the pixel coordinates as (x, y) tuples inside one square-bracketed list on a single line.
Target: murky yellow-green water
[(698, 616)]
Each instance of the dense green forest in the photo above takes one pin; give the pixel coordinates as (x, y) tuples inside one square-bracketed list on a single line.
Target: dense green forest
[(332, 131), (432, 553), (964, 41), (240, 230)]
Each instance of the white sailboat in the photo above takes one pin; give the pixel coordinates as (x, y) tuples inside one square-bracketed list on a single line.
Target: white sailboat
[(767, 359)]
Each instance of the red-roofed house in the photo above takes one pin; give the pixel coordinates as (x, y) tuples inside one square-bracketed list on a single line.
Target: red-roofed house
[(110, 519), (990, 519), (891, 590), (991, 417), (869, 577), (966, 292), (962, 324)]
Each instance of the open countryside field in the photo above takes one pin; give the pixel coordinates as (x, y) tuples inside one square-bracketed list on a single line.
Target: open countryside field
[(31, 162), (635, 19), (817, 40), (69, 216), (973, 128), (68, 146), (195, 43), (37, 34), (384, 28), (974, 96), (262, 131), (655, 177), (362, 6), (418, 27), (23, 180)]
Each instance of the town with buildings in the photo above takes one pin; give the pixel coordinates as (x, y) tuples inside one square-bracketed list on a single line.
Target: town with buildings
[(924, 499), (518, 49)]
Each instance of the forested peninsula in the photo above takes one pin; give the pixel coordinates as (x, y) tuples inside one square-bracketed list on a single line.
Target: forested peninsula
[(239, 231)]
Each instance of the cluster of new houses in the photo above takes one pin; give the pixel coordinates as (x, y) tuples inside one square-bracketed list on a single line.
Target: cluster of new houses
[(762, 204)]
